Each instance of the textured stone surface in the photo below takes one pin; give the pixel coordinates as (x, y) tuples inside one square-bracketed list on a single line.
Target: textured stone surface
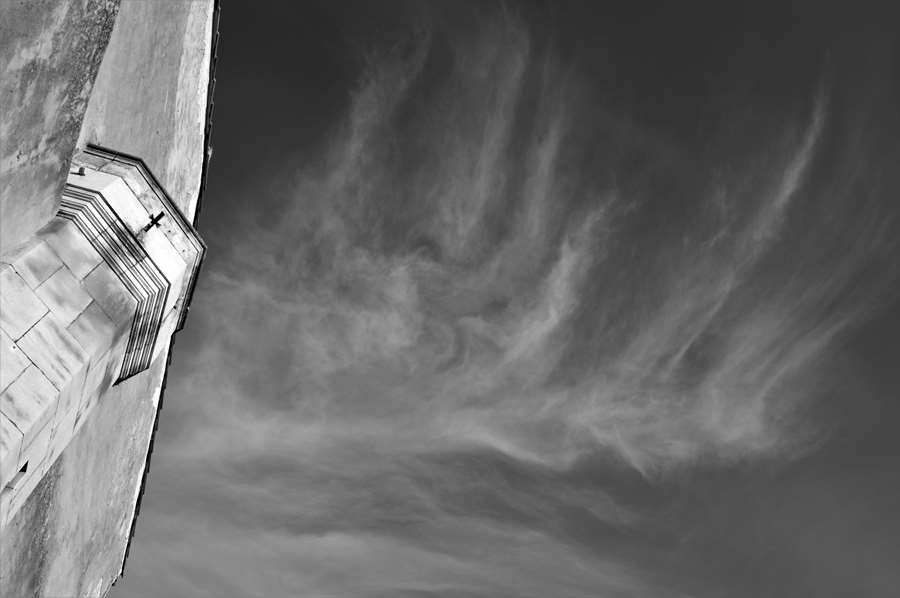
[(12, 361), (160, 114), (63, 431), (64, 296), (168, 260), (29, 403), (125, 204), (93, 330), (71, 246), (73, 394), (110, 293), (34, 454), (35, 450), (102, 373), (56, 352), (10, 445), (72, 525), (20, 308), (34, 262), (50, 52)]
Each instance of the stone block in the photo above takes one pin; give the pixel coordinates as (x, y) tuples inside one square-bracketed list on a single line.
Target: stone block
[(71, 246), (63, 294), (87, 160), (35, 262), (10, 448), (111, 295), (139, 186), (112, 239), (169, 262), (20, 308), (132, 177), (125, 204), (101, 375), (10, 256), (90, 400), (29, 403), (63, 432), (166, 330), (93, 179), (94, 331), (70, 397), (36, 451), (12, 361), (12, 498), (56, 352)]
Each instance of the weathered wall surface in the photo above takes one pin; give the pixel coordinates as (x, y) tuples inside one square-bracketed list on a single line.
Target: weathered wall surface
[(62, 326), (68, 538), (162, 50), (50, 51), (149, 100)]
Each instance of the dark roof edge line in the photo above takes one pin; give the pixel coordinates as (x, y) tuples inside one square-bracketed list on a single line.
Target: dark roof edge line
[(207, 152)]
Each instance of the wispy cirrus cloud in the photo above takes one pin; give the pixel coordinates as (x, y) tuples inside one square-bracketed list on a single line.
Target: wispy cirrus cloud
[(457, 305)]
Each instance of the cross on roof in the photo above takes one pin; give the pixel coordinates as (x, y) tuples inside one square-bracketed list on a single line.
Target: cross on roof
[(154, 221)]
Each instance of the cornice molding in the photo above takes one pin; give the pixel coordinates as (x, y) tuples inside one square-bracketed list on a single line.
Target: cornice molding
[(149, 190), (110, 237)]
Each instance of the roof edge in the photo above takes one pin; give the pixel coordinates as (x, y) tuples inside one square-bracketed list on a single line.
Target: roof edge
[(207, 154)]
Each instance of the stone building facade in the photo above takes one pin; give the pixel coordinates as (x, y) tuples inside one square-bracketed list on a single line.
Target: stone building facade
[(104, 155)]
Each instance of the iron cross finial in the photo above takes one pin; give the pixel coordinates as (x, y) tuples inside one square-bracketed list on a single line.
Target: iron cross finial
[(154, 221)]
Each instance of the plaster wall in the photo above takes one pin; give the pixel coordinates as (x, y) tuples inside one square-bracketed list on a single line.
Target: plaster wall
[(50, 53), (162, 50)]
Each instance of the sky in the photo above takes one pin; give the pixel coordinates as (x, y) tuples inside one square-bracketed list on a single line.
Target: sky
[(539, 300)]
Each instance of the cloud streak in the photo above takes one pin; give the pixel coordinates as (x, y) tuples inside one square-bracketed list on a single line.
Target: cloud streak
[(457, 306)]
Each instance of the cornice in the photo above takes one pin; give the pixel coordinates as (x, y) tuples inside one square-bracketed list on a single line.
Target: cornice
[(110, 237)]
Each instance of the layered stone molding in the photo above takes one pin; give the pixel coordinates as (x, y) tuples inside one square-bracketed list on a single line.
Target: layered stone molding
[(86, 303), (107, 234)]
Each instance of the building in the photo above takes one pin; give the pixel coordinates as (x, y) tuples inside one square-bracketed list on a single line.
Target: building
[(105, 143)]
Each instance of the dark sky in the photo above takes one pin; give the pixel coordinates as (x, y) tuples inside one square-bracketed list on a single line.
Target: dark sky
[(540, 299)]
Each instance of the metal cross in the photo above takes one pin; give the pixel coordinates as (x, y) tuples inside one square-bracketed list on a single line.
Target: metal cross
[(154, 221)]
